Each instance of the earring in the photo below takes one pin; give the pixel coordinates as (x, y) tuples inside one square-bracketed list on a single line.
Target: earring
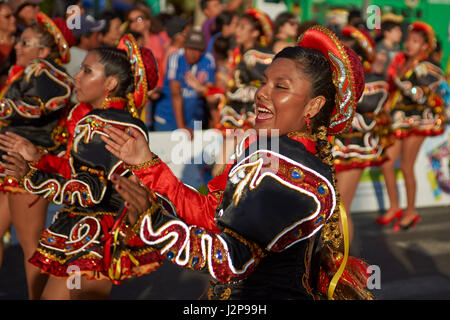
[(308, 121), (106, 100)]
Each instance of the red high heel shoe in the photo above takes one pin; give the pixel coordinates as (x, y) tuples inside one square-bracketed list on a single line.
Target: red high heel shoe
[(411, 225), (383, 221)]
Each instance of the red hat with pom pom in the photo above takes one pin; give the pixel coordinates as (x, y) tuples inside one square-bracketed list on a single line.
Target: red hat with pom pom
[(348, 74), (429, 32), (151, 67), (144, 66), (59, 31), (67, 33)]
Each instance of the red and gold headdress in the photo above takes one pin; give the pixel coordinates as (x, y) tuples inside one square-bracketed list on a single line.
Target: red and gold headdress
[(348, 78), (266, 25), (364, 39), (429, 32), (144, 67), (55, 31), (348, 74)]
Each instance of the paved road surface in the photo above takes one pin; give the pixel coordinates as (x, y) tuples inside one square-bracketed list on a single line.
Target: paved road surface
[(413, 265)]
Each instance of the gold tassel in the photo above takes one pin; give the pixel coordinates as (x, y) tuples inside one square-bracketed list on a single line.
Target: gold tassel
[(132, 106), (341, 269)]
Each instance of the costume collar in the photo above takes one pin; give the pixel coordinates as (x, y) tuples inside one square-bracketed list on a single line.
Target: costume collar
[(308, 142), (115, 103)]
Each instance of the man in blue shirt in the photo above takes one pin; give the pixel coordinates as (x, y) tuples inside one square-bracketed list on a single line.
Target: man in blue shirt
[(180, 104)]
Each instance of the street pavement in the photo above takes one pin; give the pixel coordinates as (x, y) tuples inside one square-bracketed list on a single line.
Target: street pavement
[(413, 264)]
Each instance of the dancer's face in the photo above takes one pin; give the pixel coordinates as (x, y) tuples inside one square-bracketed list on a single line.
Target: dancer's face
[(245, 32), (138, 21), (28, 48), (290, 28), (91, 84), (415, 44), (283, 99), (7, 20), (114, 34)]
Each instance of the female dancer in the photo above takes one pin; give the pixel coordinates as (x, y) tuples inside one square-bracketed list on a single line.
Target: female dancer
[(87, 234), (32, 101), (275, 234), (365, 145), (417, 111)]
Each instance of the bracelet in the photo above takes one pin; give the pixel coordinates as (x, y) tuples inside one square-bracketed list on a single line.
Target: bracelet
[(148, 164), (26, 176), (150, 211)]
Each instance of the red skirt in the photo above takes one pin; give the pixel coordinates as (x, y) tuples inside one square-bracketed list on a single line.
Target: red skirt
[(92, 246)]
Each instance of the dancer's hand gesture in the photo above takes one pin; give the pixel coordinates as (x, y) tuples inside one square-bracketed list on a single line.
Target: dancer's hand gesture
[(15, 165), (131, 146), (11, 142)]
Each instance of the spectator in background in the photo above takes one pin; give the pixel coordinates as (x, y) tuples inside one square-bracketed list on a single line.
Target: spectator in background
[(112, 31), (355, 19), (25, 12), (286, 30), (59, 8), (159, 27), (225, 25), (389, 45), (7, 39), (222, 51), (87, 37), (211, 9), (140, 20), (180, 104), (177, 29)]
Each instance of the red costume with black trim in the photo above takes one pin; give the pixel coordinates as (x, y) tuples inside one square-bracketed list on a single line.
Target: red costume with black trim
[(92, 214), (90, 231), (365, 144), (258, 230), (416, 106), (35, 99)]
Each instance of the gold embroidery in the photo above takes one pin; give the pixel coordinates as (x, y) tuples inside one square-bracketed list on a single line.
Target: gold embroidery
[(26, 176), (155, 161)]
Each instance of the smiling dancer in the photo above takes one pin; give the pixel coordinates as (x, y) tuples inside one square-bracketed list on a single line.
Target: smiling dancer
[(268, 229), (88, 233)]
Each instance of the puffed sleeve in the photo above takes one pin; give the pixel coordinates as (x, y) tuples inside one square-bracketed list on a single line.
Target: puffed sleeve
[(91, 166), (59, 163), (85, 188), (191, 206), (270, 203), (42, 89), (227, 256), (425, 81)]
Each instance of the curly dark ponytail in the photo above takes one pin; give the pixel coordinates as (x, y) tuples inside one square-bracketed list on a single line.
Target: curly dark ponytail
[(318, 70)]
